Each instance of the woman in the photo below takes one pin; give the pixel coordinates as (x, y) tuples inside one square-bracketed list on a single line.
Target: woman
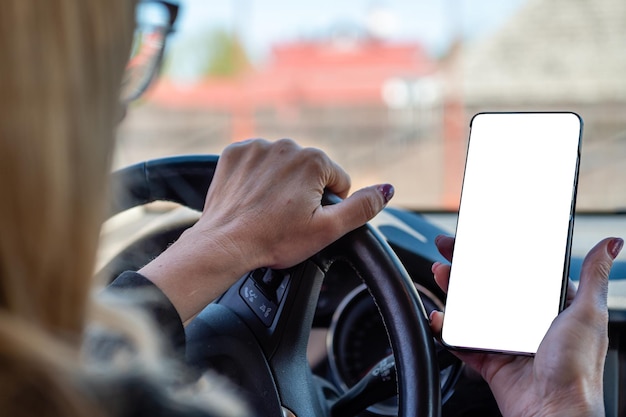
[(60, 74), (61, 64)]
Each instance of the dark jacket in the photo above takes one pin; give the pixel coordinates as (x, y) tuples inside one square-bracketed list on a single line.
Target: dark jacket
[(135, 395)]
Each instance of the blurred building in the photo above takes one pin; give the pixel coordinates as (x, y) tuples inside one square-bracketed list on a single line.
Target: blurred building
[(339, 89), (554, 54), (370, 104), (561, 55), (389, 112)]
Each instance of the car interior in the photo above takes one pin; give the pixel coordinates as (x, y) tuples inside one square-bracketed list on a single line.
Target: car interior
[(346, 332)]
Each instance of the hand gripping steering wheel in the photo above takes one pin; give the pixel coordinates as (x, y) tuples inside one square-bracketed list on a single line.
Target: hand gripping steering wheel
[(257, 332)]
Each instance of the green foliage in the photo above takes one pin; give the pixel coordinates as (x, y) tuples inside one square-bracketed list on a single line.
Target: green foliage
[(227, 57), (216, 53)]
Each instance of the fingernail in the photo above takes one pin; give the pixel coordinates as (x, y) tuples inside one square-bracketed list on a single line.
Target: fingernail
[(435, 266), (615, 247), (387, 191), (430, 316)]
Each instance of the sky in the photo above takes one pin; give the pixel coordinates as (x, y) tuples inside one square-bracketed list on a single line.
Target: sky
[(261, 23)]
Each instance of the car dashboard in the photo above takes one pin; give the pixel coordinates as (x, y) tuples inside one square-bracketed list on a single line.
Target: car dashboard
[(348, 337)]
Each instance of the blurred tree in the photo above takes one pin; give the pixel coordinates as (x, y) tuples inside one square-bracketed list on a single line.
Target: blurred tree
[(227, 56), (215, 53)]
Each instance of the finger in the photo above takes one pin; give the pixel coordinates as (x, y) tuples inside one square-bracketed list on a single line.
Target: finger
[(244, 146), (441, 273), (357, 209), (314, 163), (245, 142), (338, 181), (594, 275), (474, 359), (445, 245), (239, 154), (436, 322), (571, 292)]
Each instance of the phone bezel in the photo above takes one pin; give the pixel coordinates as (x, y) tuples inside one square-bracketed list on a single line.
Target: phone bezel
[(567, 257)]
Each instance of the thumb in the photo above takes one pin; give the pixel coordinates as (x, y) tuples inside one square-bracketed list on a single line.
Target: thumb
[(594, 275), (360, 207)]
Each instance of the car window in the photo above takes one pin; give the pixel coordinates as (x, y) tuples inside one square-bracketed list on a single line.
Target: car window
[(388, 88)]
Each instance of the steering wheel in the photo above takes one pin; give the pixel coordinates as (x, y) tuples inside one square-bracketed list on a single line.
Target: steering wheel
[(257, 332)]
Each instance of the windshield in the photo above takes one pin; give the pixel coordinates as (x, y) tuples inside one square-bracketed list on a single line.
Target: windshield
[(387, 88)]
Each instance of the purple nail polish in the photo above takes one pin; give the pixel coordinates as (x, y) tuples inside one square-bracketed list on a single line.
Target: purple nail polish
[(387, 191), (615, 247)]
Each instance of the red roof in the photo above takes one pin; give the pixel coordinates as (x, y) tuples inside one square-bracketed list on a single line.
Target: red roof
[(306, 72)]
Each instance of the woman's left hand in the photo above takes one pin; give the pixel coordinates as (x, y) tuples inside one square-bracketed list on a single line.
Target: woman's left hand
[(564, 378)]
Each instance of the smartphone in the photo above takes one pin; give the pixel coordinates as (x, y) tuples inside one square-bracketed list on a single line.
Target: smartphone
[(513, 237)]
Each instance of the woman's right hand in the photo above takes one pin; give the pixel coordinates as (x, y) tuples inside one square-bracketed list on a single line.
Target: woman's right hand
[(564, 378), (263, 208)]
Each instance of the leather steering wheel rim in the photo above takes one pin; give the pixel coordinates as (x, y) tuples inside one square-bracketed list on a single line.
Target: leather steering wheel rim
[(186, 179)]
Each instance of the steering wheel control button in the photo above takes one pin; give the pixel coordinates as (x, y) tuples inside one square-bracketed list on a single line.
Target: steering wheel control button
[(272, 282), (260, 305), (258, 274), (272, 279), (282, 288)]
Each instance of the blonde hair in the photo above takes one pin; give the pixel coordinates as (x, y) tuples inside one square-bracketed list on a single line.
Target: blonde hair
[(61, 65)]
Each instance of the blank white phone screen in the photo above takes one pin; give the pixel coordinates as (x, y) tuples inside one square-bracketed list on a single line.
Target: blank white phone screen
[(513, 230)]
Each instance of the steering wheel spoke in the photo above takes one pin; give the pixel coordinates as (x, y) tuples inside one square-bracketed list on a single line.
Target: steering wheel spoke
[(272, 323)]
